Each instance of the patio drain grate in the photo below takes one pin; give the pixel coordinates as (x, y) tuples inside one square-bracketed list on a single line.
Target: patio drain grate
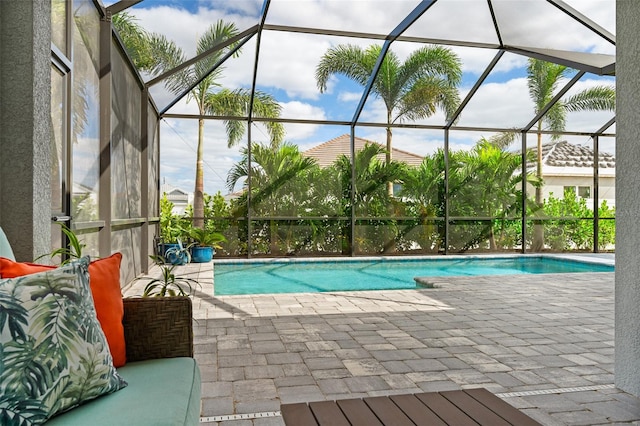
[(552, 391), (252, 416), (247, 416)]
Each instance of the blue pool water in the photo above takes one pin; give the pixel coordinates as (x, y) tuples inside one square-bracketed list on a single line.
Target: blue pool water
[(259, 277)]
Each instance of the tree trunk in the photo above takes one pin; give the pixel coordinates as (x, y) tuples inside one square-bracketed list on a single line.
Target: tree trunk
[(198, 193), (538, 226), (273, 238), (492, 236), (389, 157)]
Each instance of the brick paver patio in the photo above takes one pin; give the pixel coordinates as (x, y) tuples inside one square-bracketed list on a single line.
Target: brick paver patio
[(542, 342)]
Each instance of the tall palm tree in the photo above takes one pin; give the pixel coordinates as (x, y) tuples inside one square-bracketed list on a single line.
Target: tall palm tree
[(210, 100), (543, 79), (411, 90)]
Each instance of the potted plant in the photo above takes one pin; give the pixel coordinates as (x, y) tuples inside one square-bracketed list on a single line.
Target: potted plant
[(173, 230), (205, 242), (177, 254), (168, 284)]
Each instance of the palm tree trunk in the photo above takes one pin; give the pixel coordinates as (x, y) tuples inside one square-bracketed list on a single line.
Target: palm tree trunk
[(198, 193), (273, 238), (390, 245), (538, 227), (389, 157)]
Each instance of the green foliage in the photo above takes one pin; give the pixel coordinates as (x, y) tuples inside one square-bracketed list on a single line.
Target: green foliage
[(572, 231), (168, 284), (135, 39), (606, 226), (72, 251), (206, 238), (572, 225), (484, 193), (172, 226), (411, 90)]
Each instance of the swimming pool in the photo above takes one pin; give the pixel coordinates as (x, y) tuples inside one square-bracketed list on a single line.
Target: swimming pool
[(287, 276)]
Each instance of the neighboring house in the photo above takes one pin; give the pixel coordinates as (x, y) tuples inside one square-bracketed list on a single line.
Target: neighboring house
[(327, 153), (570, 166), (180, 199), (564, 166)]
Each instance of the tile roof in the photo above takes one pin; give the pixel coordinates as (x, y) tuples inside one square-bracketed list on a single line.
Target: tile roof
[(326, 153), (565, 154)]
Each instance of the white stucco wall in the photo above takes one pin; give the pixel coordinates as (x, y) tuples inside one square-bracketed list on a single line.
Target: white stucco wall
[(606, 186)]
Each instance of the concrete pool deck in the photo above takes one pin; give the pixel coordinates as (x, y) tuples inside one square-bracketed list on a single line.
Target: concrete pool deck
[(544, 343)]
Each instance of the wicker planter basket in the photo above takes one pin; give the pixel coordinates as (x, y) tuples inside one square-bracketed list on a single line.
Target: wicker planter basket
[(158, 327)]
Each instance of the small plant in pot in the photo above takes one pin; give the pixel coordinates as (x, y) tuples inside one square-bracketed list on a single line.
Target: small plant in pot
[(205, 242), (167, 284), (178, 254), (173, 230)]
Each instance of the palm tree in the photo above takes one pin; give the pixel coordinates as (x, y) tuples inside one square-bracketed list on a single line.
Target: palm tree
[(278, 184), (543, 78), (371, 199), (493, 189), (273, 170), (209, 101), (136, 40), (423, 188), (410, 90)]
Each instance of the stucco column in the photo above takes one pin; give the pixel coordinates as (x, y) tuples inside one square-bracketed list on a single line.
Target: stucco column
[(25, 111), (627, 275)]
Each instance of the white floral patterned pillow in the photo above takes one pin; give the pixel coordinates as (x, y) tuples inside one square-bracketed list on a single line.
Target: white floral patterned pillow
[(53, 353)]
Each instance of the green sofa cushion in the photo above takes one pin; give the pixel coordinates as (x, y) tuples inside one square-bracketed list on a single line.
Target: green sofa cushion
[(160, 392)]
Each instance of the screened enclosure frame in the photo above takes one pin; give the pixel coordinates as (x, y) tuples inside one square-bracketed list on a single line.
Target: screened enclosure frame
[(584, 63)]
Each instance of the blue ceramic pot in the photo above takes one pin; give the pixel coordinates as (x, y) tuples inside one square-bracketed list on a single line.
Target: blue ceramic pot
[(172, 254), (201, 254)]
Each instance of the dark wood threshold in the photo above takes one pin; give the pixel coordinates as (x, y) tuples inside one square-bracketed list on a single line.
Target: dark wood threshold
[(463, 407)]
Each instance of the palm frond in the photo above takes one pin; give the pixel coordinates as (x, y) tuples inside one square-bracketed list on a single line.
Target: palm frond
[(348, 60), (599, 98), (236, 103), (167, 55)]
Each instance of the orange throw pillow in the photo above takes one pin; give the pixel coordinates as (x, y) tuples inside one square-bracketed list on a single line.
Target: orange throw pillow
[(104, 276), (11, 269)]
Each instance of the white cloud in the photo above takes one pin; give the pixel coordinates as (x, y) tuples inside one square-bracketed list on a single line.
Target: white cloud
[(295, 109), (179, 140), (499, 105), (349, 96)]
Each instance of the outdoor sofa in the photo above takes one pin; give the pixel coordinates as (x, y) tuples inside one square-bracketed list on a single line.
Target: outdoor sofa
[(163, 378)]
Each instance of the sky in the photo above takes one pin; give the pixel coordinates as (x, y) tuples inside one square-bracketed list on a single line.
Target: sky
[(287, 63)]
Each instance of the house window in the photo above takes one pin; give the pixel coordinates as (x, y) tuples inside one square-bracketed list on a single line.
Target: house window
[(584, 191), (581, 191)]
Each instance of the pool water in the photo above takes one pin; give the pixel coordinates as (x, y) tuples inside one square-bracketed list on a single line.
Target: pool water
[(260, 277)]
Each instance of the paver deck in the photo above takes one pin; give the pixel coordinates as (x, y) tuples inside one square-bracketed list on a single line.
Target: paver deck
[(544, 343)]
